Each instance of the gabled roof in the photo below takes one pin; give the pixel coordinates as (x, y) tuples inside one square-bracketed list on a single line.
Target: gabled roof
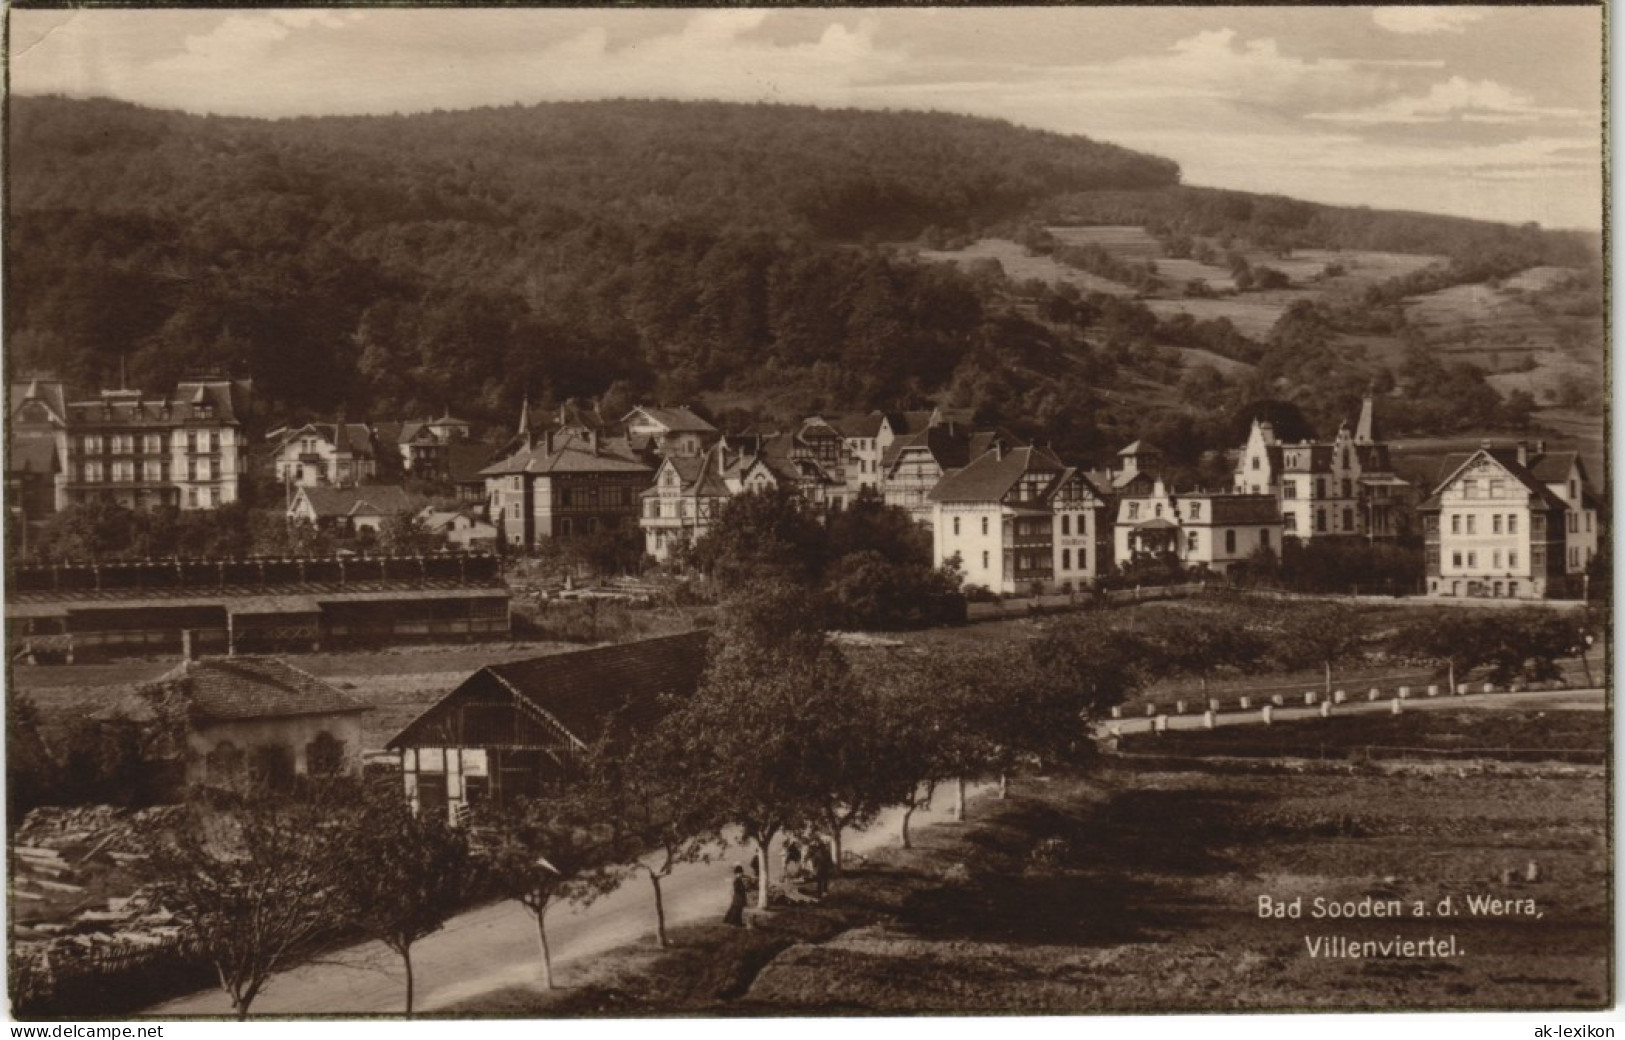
[(674, 420), (371, 500), (908, 422), (991, 476), (221, 689), (1141, 448), (859, 425), (572, 456), (47, 392), (352, 438), (1553, 467), (698, 474), (580, 692), (1507, 459)]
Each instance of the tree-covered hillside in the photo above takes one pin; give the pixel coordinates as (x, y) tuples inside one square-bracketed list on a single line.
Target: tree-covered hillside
[(665, 250), (466, 257)]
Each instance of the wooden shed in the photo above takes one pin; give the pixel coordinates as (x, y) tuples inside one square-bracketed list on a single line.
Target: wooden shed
[(508, 728)]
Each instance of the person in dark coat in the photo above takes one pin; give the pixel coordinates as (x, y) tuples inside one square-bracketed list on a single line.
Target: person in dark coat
[(822, 865), (736, 905)]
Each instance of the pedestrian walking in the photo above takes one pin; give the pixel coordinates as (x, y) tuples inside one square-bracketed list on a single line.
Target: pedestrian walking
[(736, 904), (822, 865)]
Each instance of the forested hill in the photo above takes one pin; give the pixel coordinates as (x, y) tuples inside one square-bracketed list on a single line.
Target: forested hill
[(395, 265)]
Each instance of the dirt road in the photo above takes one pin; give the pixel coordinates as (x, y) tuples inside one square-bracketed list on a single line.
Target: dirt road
[(495, 946)]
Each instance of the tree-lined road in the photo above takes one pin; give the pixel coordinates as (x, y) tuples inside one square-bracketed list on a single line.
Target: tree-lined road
[(495, 946)]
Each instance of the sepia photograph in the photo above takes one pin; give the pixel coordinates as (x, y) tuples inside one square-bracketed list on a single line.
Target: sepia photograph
[(623, 513)]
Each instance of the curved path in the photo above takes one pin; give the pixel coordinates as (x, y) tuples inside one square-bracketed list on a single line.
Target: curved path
[(495, 946)]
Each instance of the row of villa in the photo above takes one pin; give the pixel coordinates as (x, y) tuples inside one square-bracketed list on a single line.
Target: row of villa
[(1508, 521)]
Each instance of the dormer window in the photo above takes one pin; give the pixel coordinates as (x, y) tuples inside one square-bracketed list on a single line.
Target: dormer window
[(1196, 510)]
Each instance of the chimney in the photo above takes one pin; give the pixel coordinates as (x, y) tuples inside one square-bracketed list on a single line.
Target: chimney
[(188, 653), (1523, 453), (1484, 445), (1540, 448)]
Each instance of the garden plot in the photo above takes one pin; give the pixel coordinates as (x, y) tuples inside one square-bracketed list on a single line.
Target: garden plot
[(1122, 241)]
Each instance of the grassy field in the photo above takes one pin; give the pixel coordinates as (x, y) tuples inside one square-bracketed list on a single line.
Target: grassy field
[(1020, 267), (1136, 890), (1506, 735), (1251, 316)]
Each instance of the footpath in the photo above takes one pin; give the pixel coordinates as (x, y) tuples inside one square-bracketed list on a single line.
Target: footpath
[(495, 947)]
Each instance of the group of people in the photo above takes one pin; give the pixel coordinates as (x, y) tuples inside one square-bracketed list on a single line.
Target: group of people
[(799, 864)]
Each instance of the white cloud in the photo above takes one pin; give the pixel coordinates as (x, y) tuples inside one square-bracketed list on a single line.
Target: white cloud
[(1413, 21), (1476, 101)]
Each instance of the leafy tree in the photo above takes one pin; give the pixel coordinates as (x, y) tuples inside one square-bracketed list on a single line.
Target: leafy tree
[(540, 851), (401, 873), (403, 534), (650, 802), (760, 734), (32, 776), (253, 887), (1310, 634), (760, 536), (1201, 642)]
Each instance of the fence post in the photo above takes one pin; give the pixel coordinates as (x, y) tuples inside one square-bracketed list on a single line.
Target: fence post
[(1325, 709), (1266, 713), (1397, 705)]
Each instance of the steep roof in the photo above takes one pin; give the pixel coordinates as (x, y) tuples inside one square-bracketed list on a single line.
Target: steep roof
[(991, 475), (675, 420), (220, 689), (1553, 467), (581, 691), (48, 392), (573, 456), (859, 425), (371, 500), (1507, 458), (1141, 448), (213, 400)]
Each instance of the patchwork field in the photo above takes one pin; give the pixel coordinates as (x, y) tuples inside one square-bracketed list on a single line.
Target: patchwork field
[(1020, 267), (1137, 890), (1252, 318)]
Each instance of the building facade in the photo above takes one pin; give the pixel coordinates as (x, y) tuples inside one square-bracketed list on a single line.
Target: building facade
[(1344, 488), (1019, 521), (1217, 530), (1509, 522), (339, 454), (687, 496), (185, 450), (561, 487)]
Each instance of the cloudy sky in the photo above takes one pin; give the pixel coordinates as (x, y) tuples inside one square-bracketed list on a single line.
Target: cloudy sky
[(1482, 112)]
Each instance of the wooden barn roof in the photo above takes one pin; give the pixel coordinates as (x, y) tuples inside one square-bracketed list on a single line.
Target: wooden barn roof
[(576, 694)]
